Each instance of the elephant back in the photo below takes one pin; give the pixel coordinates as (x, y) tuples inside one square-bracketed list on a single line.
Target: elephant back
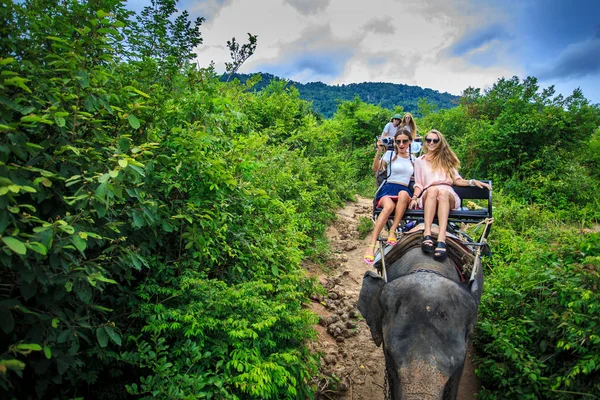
[(406, 258)]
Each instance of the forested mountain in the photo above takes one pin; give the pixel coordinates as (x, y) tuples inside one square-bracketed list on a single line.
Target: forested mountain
[(326, 98)]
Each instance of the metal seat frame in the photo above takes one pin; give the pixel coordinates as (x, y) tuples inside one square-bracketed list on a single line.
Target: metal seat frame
[(462, 215)]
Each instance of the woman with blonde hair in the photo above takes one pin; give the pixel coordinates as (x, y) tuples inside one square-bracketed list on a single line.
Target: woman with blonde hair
[(394, 194), (435, 173), (410, 123)]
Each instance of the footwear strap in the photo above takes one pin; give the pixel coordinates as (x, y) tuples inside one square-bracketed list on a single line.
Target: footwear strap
[(440, 247)]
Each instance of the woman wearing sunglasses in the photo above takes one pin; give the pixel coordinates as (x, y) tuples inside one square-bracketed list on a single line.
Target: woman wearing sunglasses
[(435, 173), (410, 123), (394, 194)]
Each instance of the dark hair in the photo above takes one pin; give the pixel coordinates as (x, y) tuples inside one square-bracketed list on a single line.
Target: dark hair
[(404, 131)]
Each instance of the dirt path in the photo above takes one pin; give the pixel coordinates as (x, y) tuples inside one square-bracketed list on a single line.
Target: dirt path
[(353, 367)]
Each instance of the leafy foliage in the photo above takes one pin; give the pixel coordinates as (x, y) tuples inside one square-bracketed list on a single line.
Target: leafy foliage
[(72, 182), (132, 183), (538, 330), (225, 341), (365, 226), (157, 35)]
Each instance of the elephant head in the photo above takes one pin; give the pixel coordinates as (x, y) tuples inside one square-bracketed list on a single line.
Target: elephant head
[(424, 321)]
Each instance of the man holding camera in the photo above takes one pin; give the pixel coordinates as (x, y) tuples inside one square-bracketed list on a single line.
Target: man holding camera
[(387, 136), (391, 127), (387, 139)]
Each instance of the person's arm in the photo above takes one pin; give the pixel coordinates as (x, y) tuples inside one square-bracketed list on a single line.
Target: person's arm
[(386, 130), (415, 198), (459, 181), (418, 186), (377, 160)]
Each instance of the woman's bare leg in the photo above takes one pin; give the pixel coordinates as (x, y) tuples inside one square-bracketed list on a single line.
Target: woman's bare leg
[(401, 207), (388, 206), (429, 209), (445, 204)]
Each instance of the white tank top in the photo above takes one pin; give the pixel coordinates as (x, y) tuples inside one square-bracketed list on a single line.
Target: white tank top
[(401, 170)]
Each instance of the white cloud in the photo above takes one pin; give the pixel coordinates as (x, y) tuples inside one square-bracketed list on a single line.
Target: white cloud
[(208, 9), (273, 22), (455, 75), (384, 26), (430, 43), (308, 7)]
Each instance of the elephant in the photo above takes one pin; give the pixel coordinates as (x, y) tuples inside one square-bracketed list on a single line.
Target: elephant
[(424, 316)]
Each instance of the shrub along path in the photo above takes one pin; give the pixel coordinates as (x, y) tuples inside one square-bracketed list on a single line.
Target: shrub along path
[(349, 355)]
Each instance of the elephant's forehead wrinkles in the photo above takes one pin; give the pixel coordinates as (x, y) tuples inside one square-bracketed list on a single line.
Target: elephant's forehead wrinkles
[(438, 296), (420, 377)]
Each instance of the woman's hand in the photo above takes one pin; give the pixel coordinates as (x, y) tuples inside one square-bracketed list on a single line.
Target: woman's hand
[(413, 204), (480, 184)]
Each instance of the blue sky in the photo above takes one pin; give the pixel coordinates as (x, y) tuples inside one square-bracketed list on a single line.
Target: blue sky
[(447, 45)]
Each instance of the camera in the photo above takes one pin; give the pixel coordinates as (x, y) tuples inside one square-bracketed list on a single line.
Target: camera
[(387, 140)]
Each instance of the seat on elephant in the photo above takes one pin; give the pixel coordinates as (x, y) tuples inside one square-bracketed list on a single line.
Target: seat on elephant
[(460, 252), (465, 213)]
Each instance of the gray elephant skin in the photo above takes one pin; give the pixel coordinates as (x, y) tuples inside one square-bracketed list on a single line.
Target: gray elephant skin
[(425, 320)]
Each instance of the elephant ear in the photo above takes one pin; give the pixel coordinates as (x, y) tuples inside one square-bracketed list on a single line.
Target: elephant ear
[(476, 285), (370, 306)]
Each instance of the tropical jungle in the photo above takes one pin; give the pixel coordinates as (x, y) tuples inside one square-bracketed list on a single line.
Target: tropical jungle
[(154, 219)]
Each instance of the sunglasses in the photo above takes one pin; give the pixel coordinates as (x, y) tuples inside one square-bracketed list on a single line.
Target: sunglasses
[(431, 140), (402, 141)]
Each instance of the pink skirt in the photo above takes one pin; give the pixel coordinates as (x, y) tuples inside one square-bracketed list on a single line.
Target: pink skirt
[(440, 188)]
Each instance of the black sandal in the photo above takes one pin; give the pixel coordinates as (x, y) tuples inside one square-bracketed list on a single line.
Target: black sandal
[(441, 253), (426, 247)]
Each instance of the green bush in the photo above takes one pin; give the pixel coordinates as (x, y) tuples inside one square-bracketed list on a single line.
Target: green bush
[(210, 339), (130, 185), (531, 142), (539, 316), (72, 196)]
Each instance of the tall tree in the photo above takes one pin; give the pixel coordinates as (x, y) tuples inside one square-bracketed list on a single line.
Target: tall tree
[(157, 34), (239, 54)]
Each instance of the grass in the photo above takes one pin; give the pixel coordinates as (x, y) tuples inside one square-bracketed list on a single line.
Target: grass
[(365, 226)]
